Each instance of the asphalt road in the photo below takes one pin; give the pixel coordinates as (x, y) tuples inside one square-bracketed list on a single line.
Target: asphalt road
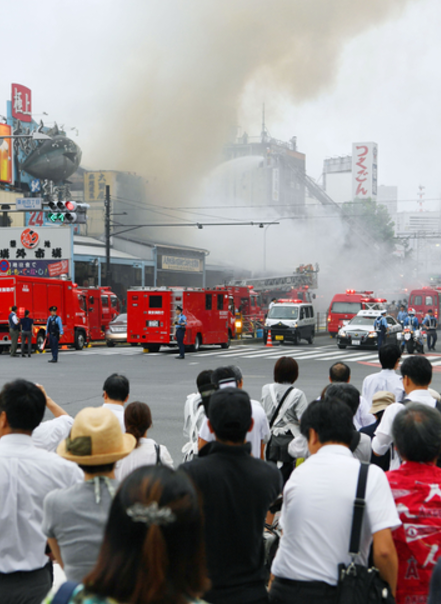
[(163, 382)]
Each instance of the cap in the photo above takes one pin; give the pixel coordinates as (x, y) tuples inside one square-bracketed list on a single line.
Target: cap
[(230, 411), (383, 312), (53, 308), (179, 308), (381, 400), (430, 310)]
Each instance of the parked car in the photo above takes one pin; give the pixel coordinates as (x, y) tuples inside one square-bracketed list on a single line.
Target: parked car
[(360, 331), (116, 333)]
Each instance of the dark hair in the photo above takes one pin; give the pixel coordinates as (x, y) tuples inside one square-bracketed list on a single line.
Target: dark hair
[(347, 393), (222, 373), (27, 313), (230, 414), (237, 372), (331, 419), (104, 469), (418, 369), (417, 432), (389, 354), (286, 370), (339, 372), (117, 387), (204, 378), (141, 562), (24, 405), (13, 308), (138, 419)]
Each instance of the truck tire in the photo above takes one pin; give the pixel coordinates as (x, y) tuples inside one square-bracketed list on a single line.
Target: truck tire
[(197, 343), (409, 346), (341, 346), (41, 336), (110, 343), (80, 339), (228, 342)]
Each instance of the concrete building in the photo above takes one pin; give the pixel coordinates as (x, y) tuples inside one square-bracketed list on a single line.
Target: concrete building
[(337, 178)]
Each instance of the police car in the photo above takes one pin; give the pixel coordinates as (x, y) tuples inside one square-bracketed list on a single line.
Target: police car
[(360, 332), (290, 321)]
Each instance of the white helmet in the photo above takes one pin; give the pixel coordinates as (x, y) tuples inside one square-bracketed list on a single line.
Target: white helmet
[(411, 311)]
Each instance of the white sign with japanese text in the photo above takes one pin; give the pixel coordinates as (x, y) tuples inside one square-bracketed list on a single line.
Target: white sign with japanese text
[(364, 170), (39, 252), (28, 203)]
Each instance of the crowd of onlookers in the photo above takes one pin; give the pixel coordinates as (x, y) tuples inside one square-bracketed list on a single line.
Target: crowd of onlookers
[(100, 498)]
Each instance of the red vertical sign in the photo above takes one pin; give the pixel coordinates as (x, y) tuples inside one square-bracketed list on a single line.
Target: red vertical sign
[(21, 98)]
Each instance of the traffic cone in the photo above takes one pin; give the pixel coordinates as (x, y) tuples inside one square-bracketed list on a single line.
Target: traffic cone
[(64, 347), (269, 341)]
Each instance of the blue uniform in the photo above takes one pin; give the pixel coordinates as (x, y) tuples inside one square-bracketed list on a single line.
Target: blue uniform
[(431, 324), (54, 329), (380, 326), (401, 316), (412, 322), (181, 326)]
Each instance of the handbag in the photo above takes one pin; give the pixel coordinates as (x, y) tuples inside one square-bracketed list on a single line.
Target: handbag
[(277, 447), (358, 584)]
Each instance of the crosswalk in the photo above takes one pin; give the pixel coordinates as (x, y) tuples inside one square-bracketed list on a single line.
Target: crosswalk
[(325, 353)]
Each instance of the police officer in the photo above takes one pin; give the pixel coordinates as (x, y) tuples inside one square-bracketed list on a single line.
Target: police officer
[(181, 326), (380, 326), (431, 323), (54, 329), (402, 314), (14, 330), (412, 321)]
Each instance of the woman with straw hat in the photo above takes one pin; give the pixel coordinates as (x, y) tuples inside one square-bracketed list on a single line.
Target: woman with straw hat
[(74, 518)]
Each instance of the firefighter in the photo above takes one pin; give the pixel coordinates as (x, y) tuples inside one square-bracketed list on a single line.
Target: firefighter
[(181, 326), (54, 329)]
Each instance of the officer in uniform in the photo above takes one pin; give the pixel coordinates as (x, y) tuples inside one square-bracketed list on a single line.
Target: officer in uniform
[(181, 326), (380, 326), (14, 330), (431, 324), (402, 314), (411, 321), (54, 329)]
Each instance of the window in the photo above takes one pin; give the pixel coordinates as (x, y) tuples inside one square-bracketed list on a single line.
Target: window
[(311, 311), (253, 301), (208, 301), (390, 321), (114, 301), (82, 302), (284, 312), (220, 301), (418, 300), (346, 307), (155, 302), (429, 301), (105, 301), (302, 313)]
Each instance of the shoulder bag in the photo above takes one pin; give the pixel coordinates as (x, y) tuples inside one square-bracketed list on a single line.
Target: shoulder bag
[(277, 447), (358, 584), (65, 592)]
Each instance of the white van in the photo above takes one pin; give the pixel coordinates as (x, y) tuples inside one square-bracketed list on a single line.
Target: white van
[(290, 321)]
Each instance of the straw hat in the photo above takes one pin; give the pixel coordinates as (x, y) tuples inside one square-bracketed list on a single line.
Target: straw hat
[(381, 400), (96, 439)]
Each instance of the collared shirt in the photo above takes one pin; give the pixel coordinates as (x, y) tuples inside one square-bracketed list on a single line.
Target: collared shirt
[(58, 322), (379, 323), (48, 435), (362, 417), (430, 322), (410, 321), (401, 316), (27, 475), (387, 380), (383, 435), (144, 455), (317, 511), (288, 418), (181, 321), (13, 320), (260, 431), (417, 493), (118, 410)]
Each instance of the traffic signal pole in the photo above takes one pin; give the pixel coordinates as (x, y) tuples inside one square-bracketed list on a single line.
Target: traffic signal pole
[(107, 225)]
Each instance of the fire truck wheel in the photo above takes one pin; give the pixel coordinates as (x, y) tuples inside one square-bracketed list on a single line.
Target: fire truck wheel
[(80, 340), (40, 341), (110, 343), (197, 343), (227, 343)]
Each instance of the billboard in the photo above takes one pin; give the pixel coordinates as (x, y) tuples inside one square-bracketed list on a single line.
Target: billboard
[(36, 252), (5, 154), (21, 98), (364, 170), (95, 185), (178, 263)]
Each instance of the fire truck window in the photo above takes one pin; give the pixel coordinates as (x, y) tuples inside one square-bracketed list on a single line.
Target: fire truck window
[(105, 301), (346, 307), (418, 300), (82, 302), (429, 301), (155, 302), (253, 301), (208, 301), (113, 301), (220, 301)]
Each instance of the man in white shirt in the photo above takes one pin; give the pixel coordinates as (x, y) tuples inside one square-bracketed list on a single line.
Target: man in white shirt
[(115, 394), (317, 513), (49, 434), (231, 376), (386, 380), (417, 375), (340, 373), (27, 475)]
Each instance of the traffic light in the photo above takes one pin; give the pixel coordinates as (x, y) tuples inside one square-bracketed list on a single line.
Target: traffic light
[(68, 212)]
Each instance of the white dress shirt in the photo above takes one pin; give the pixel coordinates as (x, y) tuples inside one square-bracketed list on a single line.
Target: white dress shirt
[(144, 455), (387, 380), (118, 410), (27, 475), (48, 435), (259, 433), (363, 417), (316, 515), (383, 438)]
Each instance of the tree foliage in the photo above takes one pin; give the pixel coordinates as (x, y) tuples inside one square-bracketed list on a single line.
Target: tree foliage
[(367, 216)]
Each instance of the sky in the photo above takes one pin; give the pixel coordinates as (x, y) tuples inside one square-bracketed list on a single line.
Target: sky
[(157, 87)]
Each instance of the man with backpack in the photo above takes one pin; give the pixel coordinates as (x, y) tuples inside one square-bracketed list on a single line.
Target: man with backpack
[(54, 329), (380, 326)]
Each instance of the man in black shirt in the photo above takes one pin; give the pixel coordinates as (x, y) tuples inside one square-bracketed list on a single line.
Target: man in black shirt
[(237, 490), (26, 334)]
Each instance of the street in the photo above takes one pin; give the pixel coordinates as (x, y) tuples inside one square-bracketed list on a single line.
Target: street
[(164, 382)]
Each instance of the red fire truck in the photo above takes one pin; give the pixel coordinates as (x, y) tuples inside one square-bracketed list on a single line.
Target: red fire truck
[(81, 310), (424, 298), (345, 306), (247, 307), (151, 315)]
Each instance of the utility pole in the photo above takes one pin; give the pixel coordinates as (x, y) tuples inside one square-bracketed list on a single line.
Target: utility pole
[(107, 206)]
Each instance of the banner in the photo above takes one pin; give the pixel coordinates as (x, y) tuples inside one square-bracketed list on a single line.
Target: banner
[(177, 263), (5, 154)]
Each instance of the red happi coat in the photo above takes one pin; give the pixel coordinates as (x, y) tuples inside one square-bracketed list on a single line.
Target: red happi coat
[(416, 488)]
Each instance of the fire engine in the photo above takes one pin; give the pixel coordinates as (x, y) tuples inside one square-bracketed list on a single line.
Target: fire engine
[(84, 312), (424, 298), (345, 306), (151, 314), (247, 305)]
